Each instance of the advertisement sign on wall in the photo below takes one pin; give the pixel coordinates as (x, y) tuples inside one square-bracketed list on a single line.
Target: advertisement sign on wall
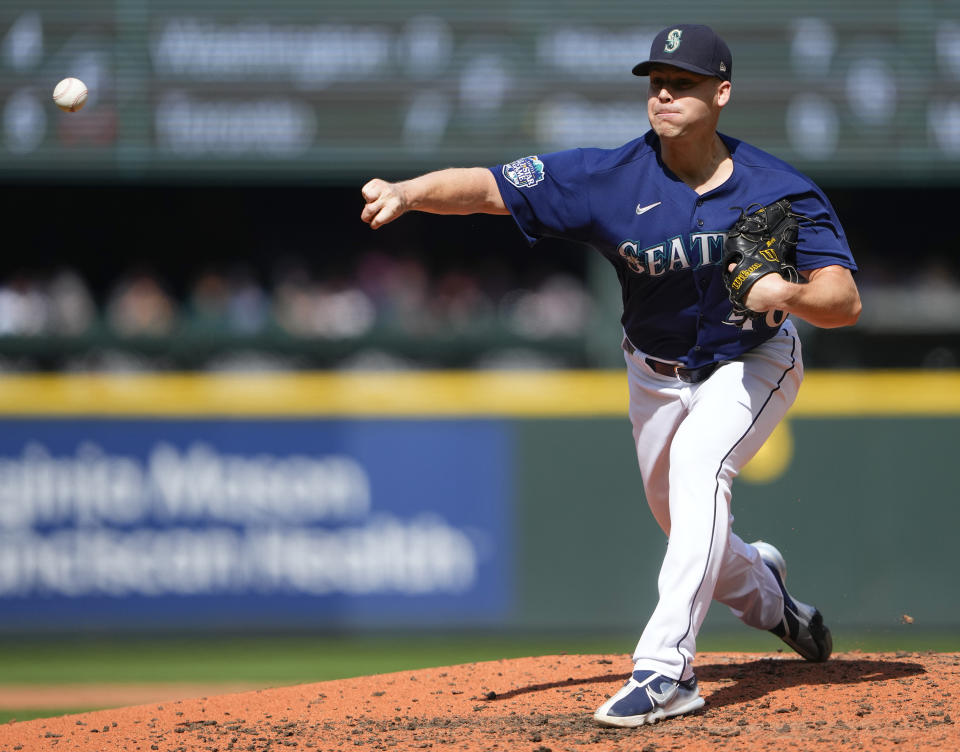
[(329, 522)]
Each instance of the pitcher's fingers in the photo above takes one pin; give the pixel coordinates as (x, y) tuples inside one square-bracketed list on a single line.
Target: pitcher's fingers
[(387, 214), (371, 210), (372, 190)]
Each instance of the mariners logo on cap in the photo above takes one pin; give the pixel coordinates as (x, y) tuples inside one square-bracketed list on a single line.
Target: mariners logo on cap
[(673, 40)]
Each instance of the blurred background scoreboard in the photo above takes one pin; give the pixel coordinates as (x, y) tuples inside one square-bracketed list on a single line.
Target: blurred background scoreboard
[(291, 90)]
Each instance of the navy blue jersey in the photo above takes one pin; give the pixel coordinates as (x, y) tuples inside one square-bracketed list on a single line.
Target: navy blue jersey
[(665, 240)]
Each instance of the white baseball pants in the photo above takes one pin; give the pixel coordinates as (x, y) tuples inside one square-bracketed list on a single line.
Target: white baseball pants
[(692, 440)]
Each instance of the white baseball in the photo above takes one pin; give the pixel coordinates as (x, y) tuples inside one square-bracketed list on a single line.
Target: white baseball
[(70, 94)]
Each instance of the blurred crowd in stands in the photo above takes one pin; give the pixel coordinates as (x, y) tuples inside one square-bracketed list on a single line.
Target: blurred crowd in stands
[(399, 297), (387, 293)]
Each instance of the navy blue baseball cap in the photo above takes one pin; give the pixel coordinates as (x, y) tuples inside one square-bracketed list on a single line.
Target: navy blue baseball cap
[(693, 47)]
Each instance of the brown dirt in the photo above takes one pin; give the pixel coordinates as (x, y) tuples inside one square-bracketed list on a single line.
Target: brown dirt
[(754, 701)]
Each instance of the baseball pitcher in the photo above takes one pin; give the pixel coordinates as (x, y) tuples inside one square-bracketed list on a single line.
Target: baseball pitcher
[(716, 244)]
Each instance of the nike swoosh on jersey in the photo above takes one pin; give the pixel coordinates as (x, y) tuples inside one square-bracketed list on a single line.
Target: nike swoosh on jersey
[(643, 209)]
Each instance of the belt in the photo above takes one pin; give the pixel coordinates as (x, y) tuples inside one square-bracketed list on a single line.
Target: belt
[(688, 375)]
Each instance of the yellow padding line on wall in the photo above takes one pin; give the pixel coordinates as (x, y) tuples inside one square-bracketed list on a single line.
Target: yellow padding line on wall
[(436, 394)]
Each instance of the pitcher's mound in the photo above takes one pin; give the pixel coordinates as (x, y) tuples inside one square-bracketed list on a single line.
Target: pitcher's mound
[(753, 702)]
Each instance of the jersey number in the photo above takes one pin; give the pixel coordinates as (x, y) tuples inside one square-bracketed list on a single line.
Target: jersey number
[(772, 320)]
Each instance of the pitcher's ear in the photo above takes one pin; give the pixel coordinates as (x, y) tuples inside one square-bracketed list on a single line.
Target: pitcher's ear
[(723, 93)]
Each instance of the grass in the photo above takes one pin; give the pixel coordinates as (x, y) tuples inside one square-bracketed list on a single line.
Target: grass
[(276, 660), (8, 716), (299, 658), (271, 659)]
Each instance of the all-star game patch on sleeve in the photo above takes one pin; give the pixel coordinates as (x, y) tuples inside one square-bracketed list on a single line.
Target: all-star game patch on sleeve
[(525, 172), (547, 195)]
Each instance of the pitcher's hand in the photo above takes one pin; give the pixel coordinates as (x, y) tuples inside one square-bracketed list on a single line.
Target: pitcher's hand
[(385, 202), (768, 293)]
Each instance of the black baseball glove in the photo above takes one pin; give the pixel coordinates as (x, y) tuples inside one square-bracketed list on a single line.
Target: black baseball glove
[(761, 243)]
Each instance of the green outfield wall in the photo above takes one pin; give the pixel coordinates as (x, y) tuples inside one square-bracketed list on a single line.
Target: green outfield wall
[(857, 487), (865, 510)]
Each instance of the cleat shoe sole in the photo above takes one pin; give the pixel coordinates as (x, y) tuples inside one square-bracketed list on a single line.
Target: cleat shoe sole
[(802, 627), (658, 714)]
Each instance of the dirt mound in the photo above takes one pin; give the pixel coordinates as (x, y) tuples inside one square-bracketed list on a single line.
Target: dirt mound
[(855, 701)]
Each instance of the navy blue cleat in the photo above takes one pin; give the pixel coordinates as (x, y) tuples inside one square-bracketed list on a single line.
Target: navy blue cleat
[(802, 626), (648, 697)]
